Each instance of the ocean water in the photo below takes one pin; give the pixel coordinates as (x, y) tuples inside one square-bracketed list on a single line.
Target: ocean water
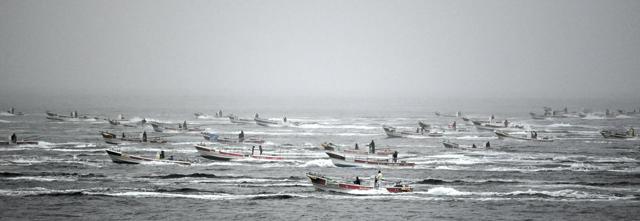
[(68, 176)]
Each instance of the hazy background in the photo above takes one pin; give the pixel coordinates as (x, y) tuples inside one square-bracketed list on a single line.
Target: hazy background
[(317, 51)]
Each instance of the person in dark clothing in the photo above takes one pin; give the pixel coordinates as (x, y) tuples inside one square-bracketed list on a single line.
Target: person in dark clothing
[(474, 146), (284, 119), (253, 148), (487, 145), (161, 155), (357, 182), (144, 136), (356, 146), (395, 156), (184, 125), (14, 138), (123, 135), (372, 147), (260, 148), (241, 136)]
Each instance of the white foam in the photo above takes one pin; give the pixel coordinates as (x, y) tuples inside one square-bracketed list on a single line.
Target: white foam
[(561, 125), (325, 126), (318, 163), (5, 121), (444, 191)]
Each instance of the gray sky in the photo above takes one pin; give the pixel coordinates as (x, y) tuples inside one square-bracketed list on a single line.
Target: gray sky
[(295, 48)]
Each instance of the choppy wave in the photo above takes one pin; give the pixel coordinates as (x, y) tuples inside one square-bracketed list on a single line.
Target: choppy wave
[(319, 163)]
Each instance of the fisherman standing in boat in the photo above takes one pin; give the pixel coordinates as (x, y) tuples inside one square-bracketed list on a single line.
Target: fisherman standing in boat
[(357, 182), (377, 179), (184, 125), (161, 155), (372, 147), (284, 119), (144, 136), (241, 136), (395, 156), (253, 148), (260, 148), (356, 146), (14, 138), (123, 135), (257, 116), (632, 132), (487, 145), (506, 123)]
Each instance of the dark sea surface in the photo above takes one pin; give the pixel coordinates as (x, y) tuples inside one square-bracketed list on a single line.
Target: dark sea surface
[(68, 175)]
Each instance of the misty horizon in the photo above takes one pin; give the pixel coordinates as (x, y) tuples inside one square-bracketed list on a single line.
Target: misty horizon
[(333, 49)]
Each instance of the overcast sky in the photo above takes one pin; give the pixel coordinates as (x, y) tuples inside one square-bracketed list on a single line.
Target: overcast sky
[(321, 48)]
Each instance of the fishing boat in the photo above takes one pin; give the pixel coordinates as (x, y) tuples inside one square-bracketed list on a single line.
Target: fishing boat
[(265, 122), (392, 132), (537, 117), (457, 114), (213, 137), (157, 127), (611, 134), (107, 135), (112, 138), (19, 142), (332, 147), (231, 154), (449, 144), (503, 135), (113, 122), (55, 118), (325, 183), (357, 160), (237, 120), (119, 157)]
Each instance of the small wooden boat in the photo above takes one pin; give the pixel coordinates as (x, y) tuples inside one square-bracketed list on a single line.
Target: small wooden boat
[(503, 135), (610, 134), (157, 127), (457, 114), (107, 135), (448, 144), (236, 120), (20, 142), (230, 154), (356, 160), (265, 122), (112, 138), (392, 132), (336, 148), (113, 122), (119, 157), (213, 137), (324, 183)]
